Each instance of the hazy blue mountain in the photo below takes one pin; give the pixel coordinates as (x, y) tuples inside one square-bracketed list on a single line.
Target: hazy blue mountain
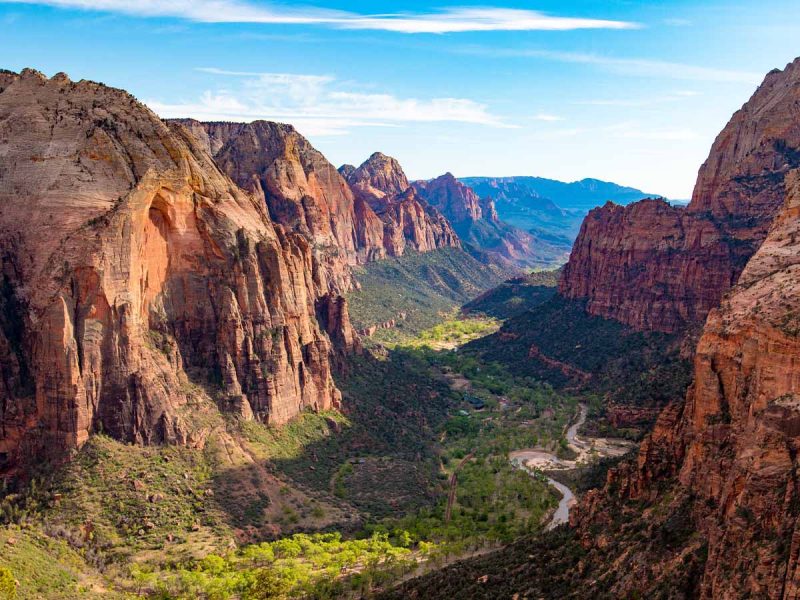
[(550, 207)]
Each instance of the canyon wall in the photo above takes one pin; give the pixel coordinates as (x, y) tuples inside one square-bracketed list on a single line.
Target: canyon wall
[(305, 193), (727, 456), (658, 267), (408, 221), (140, 286)]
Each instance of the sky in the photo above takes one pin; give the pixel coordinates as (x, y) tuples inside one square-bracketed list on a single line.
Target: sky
[(624, 91)]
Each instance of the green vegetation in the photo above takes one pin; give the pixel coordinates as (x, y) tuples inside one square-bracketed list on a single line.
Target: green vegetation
[(453, 332), (35, 565), (560, 343), (417, 290), (316, 566), (516, 296)]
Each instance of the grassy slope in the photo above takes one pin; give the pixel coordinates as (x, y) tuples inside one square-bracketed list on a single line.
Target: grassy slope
[(515, 296), (425, 287)]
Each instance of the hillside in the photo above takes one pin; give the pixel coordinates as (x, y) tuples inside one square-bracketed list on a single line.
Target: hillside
[(400, 297)]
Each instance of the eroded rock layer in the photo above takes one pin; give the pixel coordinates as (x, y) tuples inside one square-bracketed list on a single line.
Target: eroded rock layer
[(659, 267), (138, 280), (476, 222), (305, 193), (731, 449), (408, 221)]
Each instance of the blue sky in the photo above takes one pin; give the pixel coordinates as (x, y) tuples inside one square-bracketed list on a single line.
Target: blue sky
[(632, 92)]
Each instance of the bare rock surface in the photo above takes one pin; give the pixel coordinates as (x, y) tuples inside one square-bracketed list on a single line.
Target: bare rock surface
[(139, 282)]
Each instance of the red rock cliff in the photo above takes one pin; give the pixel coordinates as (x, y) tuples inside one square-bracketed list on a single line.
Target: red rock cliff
[(477, 224), (408, 221), (306, 193), (657, 267), (134, 270), (732, 446)]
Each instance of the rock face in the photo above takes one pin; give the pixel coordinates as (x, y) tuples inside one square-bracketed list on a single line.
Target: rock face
[(731, 447), (137, 277), (408, 221), (380, 177), (653, 266), (305, 193), (455, 200), (476, 222), (650, 265)]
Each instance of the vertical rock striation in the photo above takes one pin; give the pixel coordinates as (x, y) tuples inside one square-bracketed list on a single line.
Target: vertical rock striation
[(731, 449), (408, 221), (658, 267), (477, 224), (138, 280)]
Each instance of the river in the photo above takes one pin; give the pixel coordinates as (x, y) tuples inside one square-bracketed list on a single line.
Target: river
[(532, 459)]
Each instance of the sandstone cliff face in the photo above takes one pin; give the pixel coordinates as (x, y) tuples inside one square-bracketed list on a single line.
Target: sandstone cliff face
[(132, 270), (408, 221), (301, 189), (476, 222), (655, 267), (380, 177), (305, 193), (455, 200), (650, 265), (732, 446)]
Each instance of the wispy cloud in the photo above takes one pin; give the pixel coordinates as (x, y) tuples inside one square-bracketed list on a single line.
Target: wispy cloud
[(318, 104), (636, 67), (451, 20), (675, 96), (547, 117)]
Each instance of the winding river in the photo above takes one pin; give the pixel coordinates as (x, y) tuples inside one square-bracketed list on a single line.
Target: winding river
[(530, 459)]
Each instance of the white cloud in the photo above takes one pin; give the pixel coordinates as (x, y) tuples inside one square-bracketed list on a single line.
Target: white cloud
[(318, 105), (547, 117), (451, 20)]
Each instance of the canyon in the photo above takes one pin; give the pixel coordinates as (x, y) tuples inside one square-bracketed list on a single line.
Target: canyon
[(185, 287)]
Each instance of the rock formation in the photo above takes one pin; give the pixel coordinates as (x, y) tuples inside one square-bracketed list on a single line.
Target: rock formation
[(305, 193), (731, 447), (654, 266), (408, 221), (477, 224), (138, 281)]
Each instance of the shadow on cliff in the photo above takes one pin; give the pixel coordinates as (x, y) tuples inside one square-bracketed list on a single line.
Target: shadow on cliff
[(318, 470)]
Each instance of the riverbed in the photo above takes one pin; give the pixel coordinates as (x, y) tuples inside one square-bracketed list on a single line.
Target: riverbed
[(532, 460)]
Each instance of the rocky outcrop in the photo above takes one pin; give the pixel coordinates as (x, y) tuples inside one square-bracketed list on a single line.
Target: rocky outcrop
[(455, 200), (658, 267), (731, 447), (138, 281), (301, 189), (378, 179), (408, 221), (476, 222), (650, 265)]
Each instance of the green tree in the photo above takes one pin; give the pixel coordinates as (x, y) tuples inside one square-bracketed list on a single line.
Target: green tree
[(8, 585), (269, 585)]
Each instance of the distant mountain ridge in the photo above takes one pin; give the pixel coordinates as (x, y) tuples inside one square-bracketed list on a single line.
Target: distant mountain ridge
[(548, 208), (585, 194)]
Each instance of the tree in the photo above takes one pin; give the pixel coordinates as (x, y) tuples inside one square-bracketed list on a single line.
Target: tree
[(269, 585), (8, 585)]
